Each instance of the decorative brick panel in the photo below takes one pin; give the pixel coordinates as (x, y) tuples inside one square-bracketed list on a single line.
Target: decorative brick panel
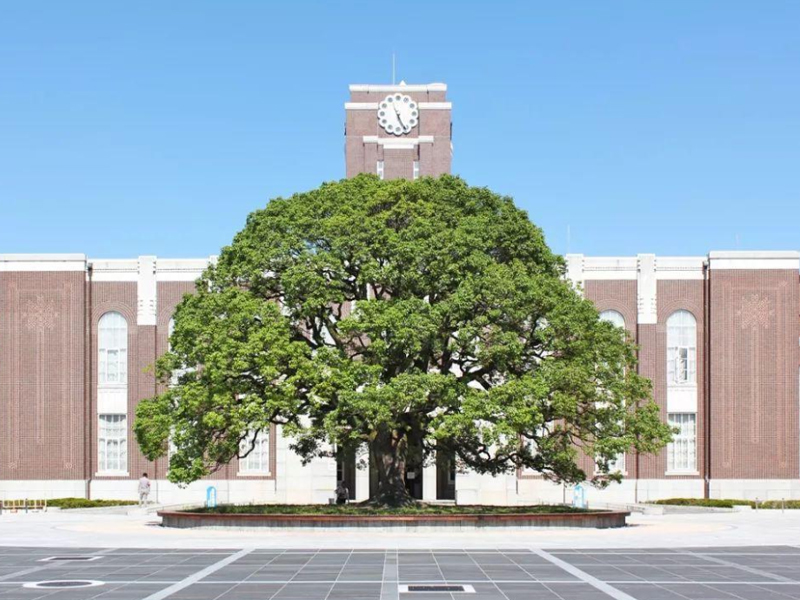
[(41, 375), (754, 374)]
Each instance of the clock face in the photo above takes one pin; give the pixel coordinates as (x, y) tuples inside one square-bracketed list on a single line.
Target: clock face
[(398, 114)]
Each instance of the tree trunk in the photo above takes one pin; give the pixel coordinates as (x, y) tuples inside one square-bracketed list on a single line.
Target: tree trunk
[(388, 453)]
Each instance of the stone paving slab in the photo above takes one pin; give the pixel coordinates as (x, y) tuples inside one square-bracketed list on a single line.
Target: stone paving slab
[(715, 573)]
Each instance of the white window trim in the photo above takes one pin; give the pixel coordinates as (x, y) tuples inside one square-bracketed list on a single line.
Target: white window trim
[(118, 323), (242, 472), (691, 349), (689, 470), (624, 472), (114, 472)]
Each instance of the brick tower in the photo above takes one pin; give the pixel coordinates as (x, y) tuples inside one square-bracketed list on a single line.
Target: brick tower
[(398, 131)]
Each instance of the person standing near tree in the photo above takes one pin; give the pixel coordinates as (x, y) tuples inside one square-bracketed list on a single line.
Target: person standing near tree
[(342, 493), (144, 490)]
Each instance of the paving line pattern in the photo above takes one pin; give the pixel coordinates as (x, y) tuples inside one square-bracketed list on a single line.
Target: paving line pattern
[(748, 569), (194, 578), (390, 589), (583, 576)]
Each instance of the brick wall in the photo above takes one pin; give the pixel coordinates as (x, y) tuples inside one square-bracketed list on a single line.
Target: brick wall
[(41, 375), (754, 374)]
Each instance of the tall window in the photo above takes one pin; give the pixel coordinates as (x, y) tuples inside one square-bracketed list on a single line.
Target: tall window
[(613, 317), (379, 169), (176, 373), (616, 319), (257, 462), (682, 452), (416, 169), (170, 331), (681, 348), (112, 444), (112, 394), (112, 343)]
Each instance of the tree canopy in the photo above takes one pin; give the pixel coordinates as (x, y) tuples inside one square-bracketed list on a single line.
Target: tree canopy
[(369, 312)]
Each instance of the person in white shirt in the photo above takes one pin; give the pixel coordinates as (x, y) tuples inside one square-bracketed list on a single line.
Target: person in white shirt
[(144, 490)]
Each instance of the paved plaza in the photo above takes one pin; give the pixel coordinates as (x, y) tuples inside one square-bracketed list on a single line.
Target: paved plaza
[(713, 556), (733, 573)]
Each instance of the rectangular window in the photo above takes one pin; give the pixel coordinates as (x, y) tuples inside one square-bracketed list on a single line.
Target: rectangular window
[(682, 452), (112, 444), (681, 365), (616, 464), (113, 365), (257, 461), (379, 170), (416, 169)]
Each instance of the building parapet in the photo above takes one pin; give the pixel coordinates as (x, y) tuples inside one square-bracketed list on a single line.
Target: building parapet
[(754, 260), (400, 87)]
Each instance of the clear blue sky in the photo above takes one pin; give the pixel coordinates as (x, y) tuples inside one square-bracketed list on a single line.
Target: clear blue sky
[(155, 127)]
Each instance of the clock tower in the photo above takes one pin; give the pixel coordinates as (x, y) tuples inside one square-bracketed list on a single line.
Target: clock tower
[(398, 131)]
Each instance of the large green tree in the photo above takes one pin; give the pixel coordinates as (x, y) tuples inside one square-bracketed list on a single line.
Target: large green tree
[(407, 317)]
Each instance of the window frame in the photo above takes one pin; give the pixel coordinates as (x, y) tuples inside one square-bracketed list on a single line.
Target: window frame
[(112, 325), (265, 463), (617, 319), (103, 439), (682, 349), (688, 439)]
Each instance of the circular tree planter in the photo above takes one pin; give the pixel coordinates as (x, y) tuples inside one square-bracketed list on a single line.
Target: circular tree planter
[(591, 519)]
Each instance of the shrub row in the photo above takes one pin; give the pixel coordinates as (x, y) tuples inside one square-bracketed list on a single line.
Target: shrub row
[(67, 503), (364, 510), (729, 503)]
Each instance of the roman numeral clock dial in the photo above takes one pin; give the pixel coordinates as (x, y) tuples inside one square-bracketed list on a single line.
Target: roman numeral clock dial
[(398, 114)]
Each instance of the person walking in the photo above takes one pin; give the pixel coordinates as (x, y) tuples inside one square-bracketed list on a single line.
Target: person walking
[(144, 490)]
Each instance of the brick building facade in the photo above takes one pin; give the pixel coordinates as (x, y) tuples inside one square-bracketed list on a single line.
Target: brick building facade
[(718, 336)]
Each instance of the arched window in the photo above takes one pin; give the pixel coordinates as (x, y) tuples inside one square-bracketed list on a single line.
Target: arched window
[(170, 330), (112, 342), (112, 394), (613, 317), (681, 348)]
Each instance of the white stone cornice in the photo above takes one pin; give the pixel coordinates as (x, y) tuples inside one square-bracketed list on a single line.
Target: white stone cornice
[(609, 268), (398, 143), (42, 262), (400, 87), (422, 105), (680, 267), (754, 260), (181, 269), (114, 270)]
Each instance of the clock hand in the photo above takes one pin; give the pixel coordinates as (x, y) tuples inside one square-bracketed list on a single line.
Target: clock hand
[(399, 120)]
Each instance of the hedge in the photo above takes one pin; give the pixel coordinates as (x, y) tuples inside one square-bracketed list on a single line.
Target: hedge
[(729, 503), (67, 503)]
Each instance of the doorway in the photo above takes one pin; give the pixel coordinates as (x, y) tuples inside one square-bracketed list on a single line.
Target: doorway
[(346, 470), (445, 475)]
